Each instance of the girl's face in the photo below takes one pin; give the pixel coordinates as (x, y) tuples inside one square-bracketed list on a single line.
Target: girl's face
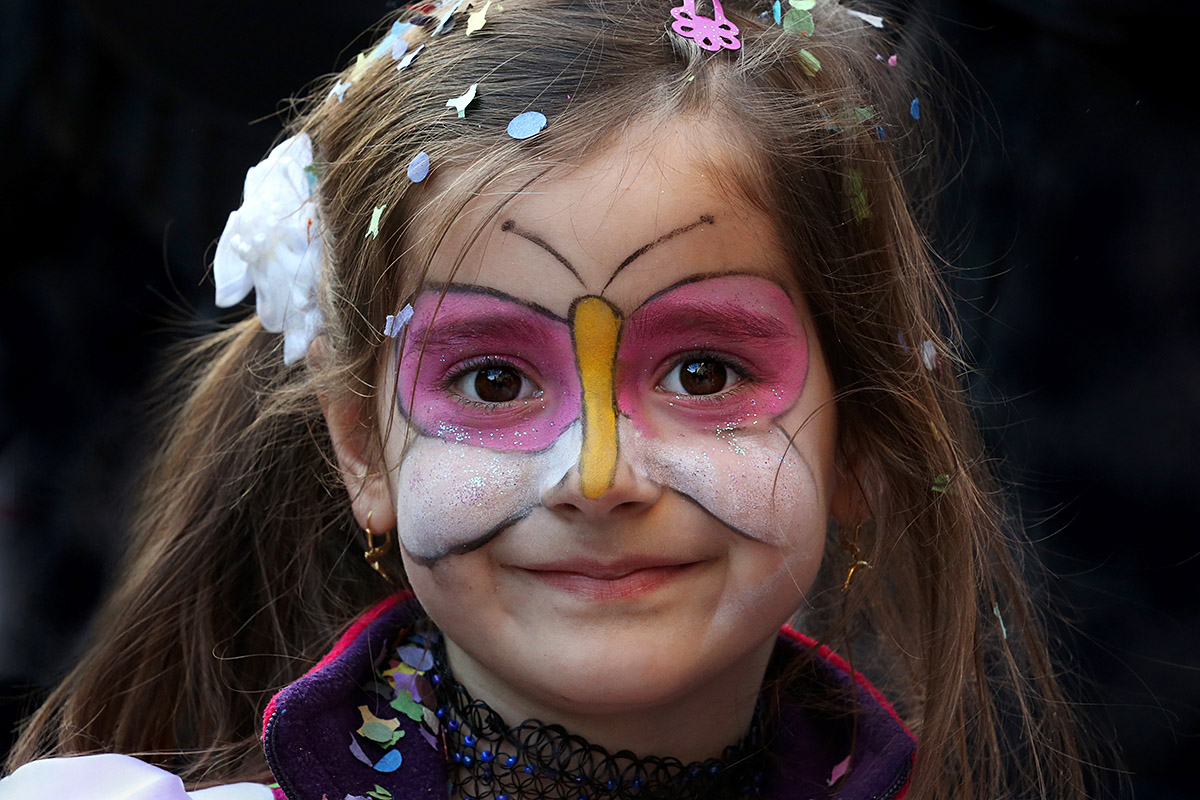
[(620, 458)]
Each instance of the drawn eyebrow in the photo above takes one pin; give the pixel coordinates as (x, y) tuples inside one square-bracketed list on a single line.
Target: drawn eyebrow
[(705, 219), (510, 226)]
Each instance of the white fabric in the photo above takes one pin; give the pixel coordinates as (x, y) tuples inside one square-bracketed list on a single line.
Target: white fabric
[(110, 776)]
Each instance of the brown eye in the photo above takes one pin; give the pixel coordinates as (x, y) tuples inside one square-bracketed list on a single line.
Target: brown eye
[(700, 376), (498, 384)]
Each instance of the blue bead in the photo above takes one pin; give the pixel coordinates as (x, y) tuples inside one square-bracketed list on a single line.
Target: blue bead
[(441, 713), (487, 757), (501, 797), (637, 783), (611, 785), (466, 760), (456, 758), (511, 761), (452, 724), (528, 770), (469, 740), (436, 679)]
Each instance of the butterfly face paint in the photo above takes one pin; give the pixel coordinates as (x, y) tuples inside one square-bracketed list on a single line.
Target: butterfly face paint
[(504, 398)]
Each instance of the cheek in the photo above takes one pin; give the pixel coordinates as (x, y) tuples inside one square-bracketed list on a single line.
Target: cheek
[(451, 494), (751, 479)]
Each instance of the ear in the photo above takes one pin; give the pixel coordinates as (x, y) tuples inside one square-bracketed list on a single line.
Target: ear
[(359, 453)]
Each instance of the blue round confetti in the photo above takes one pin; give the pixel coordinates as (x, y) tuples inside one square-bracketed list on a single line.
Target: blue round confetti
[(525, 125), (390, 762), (915, 108), (418, 168)]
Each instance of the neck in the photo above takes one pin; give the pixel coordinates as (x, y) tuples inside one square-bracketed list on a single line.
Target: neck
[(704, 745)]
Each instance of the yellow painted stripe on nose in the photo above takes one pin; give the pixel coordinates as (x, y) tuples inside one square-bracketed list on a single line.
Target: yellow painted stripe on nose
[(596, 328)]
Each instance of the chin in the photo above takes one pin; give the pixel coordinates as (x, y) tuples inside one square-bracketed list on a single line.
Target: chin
[(603, 677)]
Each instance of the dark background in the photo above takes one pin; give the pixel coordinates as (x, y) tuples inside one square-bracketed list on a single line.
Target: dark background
[(127, 129)]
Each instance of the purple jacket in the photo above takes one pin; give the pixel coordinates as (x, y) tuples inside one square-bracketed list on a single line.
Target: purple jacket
[(313, 729)]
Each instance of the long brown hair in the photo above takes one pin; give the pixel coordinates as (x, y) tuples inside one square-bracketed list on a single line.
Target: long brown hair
[(243, 563)]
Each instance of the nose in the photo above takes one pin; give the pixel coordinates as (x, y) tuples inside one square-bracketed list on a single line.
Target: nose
[(601, 481), (626, 493)]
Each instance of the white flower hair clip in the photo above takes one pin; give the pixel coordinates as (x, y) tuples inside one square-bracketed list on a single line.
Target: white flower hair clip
[(272, 244)]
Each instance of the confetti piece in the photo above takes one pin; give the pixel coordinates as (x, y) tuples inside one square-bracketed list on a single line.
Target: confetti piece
[(798, 22), (858, 196), (399, 48), (357, 751), (839, 770), (446, 18), (903, 342), (418, 168), (376, 215), (477, 19), (803, 5), (419, 658), (429, 738), (937, 437), (392, 41), (777, 11), (864, 113), (339, 89), (376, 731), (390, 762), (380, 793), (1003, 629), (809, 63), (360, 66), (879, 132), (928, 355), (527, 124), (395, 323), (408, 58), (870, 19), (369, 717), (891, 62), (408, 707), (941, 484), (915, 108), (461, 102)]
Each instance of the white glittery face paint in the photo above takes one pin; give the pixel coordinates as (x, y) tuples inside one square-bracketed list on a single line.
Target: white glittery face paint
[(756, 484), (454, 496)]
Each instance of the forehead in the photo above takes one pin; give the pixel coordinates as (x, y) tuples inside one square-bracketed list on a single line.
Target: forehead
[(653, 209)]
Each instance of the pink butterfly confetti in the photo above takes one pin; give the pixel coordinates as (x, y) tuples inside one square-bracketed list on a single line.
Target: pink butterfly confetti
[(710, 33)]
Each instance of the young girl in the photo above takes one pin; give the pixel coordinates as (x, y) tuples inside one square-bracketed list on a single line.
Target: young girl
[(605, 330)]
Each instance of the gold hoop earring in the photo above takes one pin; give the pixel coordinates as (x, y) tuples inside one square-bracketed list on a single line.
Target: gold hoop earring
[(373, 554), (856, 559)]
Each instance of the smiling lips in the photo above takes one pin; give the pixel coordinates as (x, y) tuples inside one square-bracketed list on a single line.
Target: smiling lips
[(596, 580)]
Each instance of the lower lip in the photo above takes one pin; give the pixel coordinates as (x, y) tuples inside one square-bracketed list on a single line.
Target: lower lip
[(635, 584)]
